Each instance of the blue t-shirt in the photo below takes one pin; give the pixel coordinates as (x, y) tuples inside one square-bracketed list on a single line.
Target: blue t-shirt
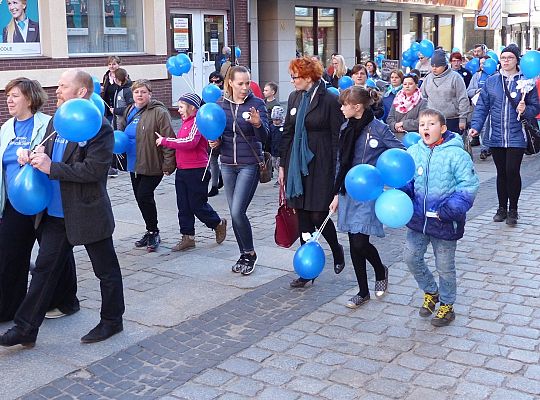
[(131, 132), (23, 137), (55, 208)]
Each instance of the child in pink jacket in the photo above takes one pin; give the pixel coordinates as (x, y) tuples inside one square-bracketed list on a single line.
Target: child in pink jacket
[(191, 188)]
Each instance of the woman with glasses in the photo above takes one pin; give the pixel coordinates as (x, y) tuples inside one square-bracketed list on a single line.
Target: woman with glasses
[(423, 65), (406, 107), (502, 101), (308, 154)]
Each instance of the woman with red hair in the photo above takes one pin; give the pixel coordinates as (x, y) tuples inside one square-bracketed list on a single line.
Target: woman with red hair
[(308, 154)]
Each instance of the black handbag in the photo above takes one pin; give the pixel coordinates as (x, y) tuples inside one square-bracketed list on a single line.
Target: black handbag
[(532, 131)]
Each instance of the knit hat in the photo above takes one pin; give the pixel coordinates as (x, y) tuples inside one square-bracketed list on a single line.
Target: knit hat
[(512, 48), (278, 113), (192, 99), (438, 59)]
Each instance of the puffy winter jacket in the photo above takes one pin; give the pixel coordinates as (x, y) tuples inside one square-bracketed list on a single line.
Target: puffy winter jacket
[(505, 129), (235, 149), (444, 182)]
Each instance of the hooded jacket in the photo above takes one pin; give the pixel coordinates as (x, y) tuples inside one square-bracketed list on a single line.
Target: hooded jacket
[(445, 182), (505, 129), (447, 93), (153, 160), (123, 97), (235, 149), (190, 146)]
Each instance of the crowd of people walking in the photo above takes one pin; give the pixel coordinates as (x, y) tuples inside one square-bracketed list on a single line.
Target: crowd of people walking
[(315, 140)]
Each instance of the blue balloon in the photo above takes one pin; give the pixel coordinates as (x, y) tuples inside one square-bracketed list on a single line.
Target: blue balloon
[(211, 93), (415, 47), (405, 63), (97, 85), (427, 48), (345, 82), (411, 138), (408, 55), (396, 166), (98, 102), (183, 62), (121, 142), (394, 208), (211, 120), (30, 192), (492, 54), (237, 52), (473, 66), (309, 260), (530, 64), (333, 90), (172, 66), (370, 83), (77, 120), (364, 182), (490, 66)]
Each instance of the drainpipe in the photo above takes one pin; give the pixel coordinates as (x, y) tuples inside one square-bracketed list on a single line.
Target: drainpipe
[(232, 31)]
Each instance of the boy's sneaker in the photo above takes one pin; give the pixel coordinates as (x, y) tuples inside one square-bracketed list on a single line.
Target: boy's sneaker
[(512, 217), (236, 268), (445, 315), (484, 154), (187, 242), (500, 215), (357, 300), (143, 242), (153, 242), (428, 307), (113, 173), (249, 264)]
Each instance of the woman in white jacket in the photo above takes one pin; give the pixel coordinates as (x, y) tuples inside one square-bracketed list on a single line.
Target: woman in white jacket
[(25, 130)]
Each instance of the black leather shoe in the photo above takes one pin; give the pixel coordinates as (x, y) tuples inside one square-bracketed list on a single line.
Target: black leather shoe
[(213, 192), (143, 242), (14, 336), (339, 261), (101, 332), (301, 282), (220, 182)]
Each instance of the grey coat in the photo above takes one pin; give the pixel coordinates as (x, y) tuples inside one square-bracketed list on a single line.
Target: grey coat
[(82, 173), (447, 93), (409, 119)]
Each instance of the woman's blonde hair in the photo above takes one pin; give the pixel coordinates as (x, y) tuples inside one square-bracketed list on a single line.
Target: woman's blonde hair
[(10, 27), (141, 83), (342, 68)]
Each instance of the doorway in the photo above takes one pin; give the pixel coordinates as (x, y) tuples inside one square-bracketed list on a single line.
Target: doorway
[(201, 35)]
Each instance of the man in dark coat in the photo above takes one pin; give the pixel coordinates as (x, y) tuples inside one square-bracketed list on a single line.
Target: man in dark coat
[(80, 213)]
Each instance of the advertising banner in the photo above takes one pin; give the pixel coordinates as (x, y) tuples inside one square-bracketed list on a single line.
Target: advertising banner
[(20, 28), (114, 17), (77, 17)]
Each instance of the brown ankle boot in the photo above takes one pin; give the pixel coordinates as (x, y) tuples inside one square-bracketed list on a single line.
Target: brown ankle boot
[(187, 242)]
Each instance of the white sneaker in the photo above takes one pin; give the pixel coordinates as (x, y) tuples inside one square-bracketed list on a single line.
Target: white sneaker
[(54, 314)]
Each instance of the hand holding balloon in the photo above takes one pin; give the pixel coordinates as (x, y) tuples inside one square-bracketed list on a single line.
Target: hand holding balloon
[(214, 143), (41, 162)]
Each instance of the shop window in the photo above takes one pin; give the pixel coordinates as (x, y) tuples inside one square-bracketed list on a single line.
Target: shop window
[(428, 28), (382, 37), (445, 32), (105, 26), (316, 32), (414, 22)]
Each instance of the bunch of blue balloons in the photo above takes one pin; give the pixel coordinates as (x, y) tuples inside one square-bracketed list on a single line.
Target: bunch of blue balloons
[(394, 168), (490, 64), (178, 65), (410, 56)]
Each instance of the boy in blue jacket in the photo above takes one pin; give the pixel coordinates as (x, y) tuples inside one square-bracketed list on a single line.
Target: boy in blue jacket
[(443, 190)]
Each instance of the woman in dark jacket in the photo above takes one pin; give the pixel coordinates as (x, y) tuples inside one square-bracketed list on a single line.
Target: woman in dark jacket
[(108, 85), (147, 164), (123, 97), (308, 154), (241, 147)]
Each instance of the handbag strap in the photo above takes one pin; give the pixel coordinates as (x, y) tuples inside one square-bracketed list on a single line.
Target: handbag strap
[(235, 122)]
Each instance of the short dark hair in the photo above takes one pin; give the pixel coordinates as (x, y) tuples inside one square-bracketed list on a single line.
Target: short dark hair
[(273, 86), (430, 112), (31, 90), (121, 74), (413, 76), (215, 75), (84, 79)]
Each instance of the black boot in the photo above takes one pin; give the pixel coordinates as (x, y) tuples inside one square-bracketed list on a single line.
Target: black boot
[(213, 192), (512, 217), (220, 182)]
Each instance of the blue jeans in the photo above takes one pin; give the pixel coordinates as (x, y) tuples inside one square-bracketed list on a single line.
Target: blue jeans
[(240, 182), (214, 169), (445, 250)]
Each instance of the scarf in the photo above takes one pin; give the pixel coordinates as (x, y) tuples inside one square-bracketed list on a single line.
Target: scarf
[(392, 90), (301, 155), (346, 147), (404, 103)]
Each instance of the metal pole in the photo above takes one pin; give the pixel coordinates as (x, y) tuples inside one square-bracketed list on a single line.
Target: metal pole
[(232, 31), (529, 28)]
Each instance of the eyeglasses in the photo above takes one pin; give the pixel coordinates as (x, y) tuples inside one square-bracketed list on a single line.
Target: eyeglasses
[(510, 58), (421, 58), (295, 77), (215, 80)]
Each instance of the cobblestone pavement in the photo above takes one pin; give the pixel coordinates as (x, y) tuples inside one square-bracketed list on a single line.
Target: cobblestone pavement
[(196, 331)]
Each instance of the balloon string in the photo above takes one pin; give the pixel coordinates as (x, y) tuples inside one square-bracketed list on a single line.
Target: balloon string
[(188, 83), (120, 157), (207, 164), (44, 140), (317, 235)]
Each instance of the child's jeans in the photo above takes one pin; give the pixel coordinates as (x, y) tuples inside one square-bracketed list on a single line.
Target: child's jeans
[(445, 250)]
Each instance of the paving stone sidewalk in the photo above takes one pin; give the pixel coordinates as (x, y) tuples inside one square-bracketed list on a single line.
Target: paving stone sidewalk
[(270, 342)]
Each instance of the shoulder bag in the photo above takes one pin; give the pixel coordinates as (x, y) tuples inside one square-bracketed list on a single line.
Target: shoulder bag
[(286, 231), (265, 165)]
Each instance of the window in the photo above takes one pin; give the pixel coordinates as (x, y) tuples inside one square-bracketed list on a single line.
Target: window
[(445, 32), (316, 32), (382, 37), (414, 22), (428, 28), (105, 26)]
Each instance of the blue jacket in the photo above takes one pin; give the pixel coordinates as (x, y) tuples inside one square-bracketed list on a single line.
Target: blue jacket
[(359, 216), (444, 182), (235, 150), (505, 129)]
